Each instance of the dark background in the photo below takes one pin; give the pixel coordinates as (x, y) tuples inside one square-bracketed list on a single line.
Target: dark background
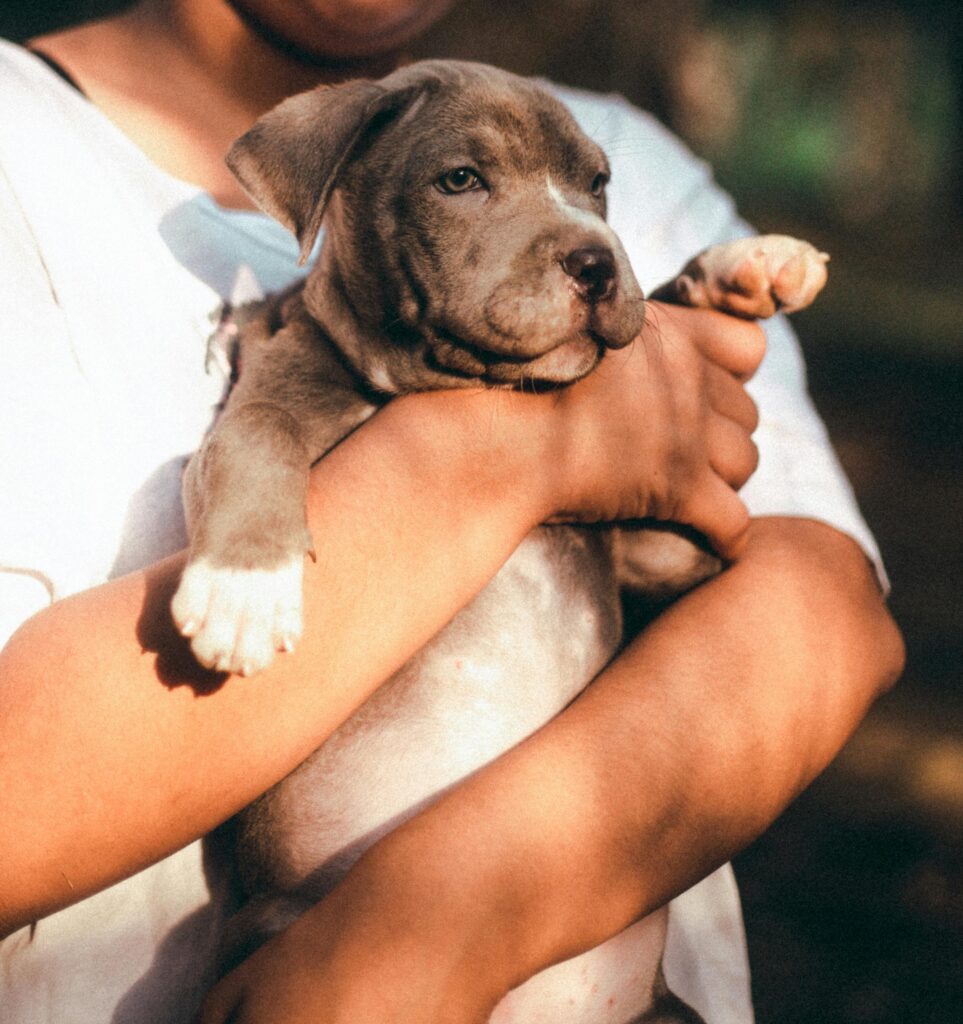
[(841, 123)]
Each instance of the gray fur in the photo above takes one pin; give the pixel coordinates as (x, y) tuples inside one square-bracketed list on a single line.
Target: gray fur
[(414, 289), (417, 289)]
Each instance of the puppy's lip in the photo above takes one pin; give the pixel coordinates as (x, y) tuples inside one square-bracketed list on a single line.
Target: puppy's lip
[(617, 327), (566, 362), (610, 324), (487, 352)]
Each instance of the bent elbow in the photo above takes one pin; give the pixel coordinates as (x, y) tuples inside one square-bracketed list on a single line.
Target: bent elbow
[(877, 639), (891, 647)]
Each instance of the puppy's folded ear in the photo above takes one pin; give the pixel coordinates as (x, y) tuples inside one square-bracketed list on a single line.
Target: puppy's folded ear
[(290, 159)]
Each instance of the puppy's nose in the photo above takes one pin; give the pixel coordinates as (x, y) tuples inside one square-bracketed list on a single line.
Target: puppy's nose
[(593, 271)]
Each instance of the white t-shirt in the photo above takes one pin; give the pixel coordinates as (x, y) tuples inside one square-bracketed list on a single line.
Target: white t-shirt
[(111, 276)]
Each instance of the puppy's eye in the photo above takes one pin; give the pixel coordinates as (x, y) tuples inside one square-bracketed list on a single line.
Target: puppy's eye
[(459, 179), (599, 182)]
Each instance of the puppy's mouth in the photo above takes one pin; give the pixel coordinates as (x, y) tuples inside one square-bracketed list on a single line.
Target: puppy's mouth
[(565, 363)]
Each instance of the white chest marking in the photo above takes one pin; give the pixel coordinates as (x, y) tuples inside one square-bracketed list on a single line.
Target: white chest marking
[(380, 378)]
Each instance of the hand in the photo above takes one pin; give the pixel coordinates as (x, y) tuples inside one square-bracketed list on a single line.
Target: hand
[(662, 428), (395, 942)]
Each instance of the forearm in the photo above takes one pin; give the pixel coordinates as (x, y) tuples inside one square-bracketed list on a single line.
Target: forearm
[(687, 747), (115, 748)]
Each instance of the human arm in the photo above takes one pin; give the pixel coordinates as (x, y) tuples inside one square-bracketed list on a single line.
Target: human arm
[(107, 719), (486, 901), (713, 720)]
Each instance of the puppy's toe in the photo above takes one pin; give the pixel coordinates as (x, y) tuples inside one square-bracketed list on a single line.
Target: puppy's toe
[(190, 603), (746, 291), (287, 626), (748, 277), (800, 279), (249, 614)]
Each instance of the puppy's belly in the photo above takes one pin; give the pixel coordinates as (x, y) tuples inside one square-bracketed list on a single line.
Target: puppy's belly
[(507, 664)]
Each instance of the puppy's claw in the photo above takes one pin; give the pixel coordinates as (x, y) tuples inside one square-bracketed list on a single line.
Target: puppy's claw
[(309, 549)]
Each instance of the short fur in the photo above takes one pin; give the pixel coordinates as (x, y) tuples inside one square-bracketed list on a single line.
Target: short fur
[(515, 283)]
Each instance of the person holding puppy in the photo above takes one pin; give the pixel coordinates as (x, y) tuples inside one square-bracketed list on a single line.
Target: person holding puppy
[(123, 231)]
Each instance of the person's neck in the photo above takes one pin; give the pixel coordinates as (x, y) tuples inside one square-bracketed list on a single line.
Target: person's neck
[(184, 78)]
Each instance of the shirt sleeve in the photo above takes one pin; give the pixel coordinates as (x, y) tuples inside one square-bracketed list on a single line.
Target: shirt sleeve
[(666, 208), (49, 468)]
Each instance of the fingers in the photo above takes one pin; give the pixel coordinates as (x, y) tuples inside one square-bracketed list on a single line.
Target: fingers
[(729, 398), (733, 344), (730, 448), (717, 511), (732, 453), (685, 378), (736, 345)]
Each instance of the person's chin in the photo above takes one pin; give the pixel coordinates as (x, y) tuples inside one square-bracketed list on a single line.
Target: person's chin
[(345, 35)]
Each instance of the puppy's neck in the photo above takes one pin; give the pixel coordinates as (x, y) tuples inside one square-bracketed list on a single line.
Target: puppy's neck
[(387, 354), (357, 339)]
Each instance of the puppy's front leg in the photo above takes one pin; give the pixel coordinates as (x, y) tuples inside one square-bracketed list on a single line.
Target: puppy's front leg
[(240, 596), (753, 278), (750, 277)]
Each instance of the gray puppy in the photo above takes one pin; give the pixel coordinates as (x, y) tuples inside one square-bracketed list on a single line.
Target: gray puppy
[(465, 244)]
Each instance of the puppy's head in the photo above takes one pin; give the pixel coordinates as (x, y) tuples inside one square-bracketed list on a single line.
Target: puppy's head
[(465, 225)]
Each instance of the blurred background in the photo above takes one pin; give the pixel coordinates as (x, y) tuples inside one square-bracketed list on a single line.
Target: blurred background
[(841, 123)]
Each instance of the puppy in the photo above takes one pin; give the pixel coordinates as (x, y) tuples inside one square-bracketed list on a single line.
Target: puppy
[(465, 244)]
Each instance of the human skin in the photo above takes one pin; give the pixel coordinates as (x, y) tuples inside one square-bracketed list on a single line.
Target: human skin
[(201, 76), (108, 718), (718, 701), (676, 757)]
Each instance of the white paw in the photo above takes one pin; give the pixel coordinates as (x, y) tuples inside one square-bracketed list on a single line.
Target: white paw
[(238, 618), (755, 277)]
